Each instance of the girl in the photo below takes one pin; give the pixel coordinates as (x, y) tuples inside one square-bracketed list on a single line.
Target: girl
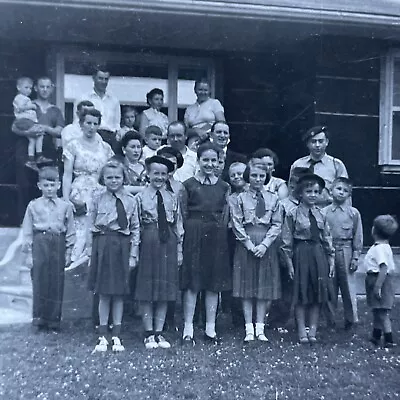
[(268, 160), (132, 149), (160, 233), (379, 286), (112, 218), (309, 254), (206, 257), (257, 222)]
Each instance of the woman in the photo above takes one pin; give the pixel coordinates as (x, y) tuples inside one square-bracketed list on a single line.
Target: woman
[(205, 249), (202, 114), (83, 160), (132, 149), (153, 115), (268, 160)]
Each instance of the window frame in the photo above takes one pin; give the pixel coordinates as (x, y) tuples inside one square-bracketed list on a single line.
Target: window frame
[(386, 109), (57, 58)]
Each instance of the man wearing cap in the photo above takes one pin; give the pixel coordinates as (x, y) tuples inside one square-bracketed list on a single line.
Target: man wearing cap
[(176, 138), (220, 136), (319, 162), (106, 103)]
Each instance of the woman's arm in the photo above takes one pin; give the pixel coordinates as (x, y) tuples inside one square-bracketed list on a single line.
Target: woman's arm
[(144, 123), (219, 116), (283, 191), (67, 177)]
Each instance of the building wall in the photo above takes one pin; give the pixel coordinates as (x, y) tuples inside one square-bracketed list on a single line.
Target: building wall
[(347, 101)]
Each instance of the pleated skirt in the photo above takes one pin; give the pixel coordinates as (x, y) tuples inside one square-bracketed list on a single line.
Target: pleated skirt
[(254, 277), (311, 273), (206, 257), (157, 276), (109, 264)]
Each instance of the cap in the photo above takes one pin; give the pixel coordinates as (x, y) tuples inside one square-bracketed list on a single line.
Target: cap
[(311, 177), (168, 150), (314, 131), (159, 160)]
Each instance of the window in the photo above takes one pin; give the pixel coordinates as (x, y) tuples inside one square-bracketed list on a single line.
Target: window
[(132, 76), (389, 138)]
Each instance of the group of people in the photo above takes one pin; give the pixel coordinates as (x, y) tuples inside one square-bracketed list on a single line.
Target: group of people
[(199, 223)]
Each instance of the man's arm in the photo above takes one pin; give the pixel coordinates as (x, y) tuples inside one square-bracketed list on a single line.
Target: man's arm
[(35, 131)]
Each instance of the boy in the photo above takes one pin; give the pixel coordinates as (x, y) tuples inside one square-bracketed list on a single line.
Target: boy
[(153, 138), (26, 118), (49, 232), (346, 229), (379, 285), (128, 118)]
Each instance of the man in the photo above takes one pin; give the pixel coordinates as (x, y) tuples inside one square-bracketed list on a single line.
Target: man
[(73, 131), (107, 104), (220, 136), (50, 124), (176, 138), (319, 162)]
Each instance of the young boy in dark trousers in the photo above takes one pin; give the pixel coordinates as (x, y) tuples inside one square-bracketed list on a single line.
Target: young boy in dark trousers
[(347, 234), (49, 231)]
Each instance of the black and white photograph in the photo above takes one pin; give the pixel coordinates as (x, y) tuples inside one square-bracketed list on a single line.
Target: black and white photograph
[(199, 199)]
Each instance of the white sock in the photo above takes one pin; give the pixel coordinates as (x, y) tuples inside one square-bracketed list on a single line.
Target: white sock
[(210, 329), (259, 329), (249, 328), (188, 329)]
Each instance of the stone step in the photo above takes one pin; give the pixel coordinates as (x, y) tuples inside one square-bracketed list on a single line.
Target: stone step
[(10, 316), (17, 297)]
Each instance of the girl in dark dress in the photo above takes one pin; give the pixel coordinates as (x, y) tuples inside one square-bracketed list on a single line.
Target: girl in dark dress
[(112, 219), (309, 254), (205, 256)]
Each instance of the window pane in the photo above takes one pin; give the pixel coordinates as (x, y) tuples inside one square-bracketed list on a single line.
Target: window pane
[(187, 76), (396, 83), (396, 136)]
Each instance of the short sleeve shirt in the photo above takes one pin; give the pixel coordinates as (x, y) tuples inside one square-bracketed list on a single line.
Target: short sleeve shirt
[(379, 253)]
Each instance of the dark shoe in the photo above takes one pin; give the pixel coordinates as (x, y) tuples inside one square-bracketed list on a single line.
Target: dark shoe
[(390, 345), (348, 326), (375, 341), (212, 340), (32, 165), (188, 341), (304, 340)]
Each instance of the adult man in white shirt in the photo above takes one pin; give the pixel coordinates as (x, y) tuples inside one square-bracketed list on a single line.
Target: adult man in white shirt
[(74, 131), (176, 138), (107, 104)]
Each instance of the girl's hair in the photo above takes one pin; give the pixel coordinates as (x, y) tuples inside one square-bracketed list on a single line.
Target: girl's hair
[(127, 109), (264, 152), (113, 162), (305, 183), (246, 173), (152, 93), (48, 173), (23, 79), (237, 164), (385, 226), (90, 111), (200, 81), (205, 147)]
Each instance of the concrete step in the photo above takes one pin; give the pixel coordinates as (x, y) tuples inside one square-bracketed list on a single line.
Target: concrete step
[(17, 297), (10, 316), (25, 276)]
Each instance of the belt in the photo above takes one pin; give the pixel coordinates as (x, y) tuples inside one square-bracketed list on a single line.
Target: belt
[(48, 233), (343, 242), (372, 273), (109, 233), (207, 217)]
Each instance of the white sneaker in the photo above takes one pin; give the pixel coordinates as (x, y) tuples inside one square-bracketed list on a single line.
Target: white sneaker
[(117, 345), (101, 346), (150, 342), (249, 338), (262, 338), (162, 343)]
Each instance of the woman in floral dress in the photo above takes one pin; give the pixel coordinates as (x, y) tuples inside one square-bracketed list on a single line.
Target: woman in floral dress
[(83, 159)]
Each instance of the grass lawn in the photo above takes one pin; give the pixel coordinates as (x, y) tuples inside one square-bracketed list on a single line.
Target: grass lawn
[(61, 366)]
